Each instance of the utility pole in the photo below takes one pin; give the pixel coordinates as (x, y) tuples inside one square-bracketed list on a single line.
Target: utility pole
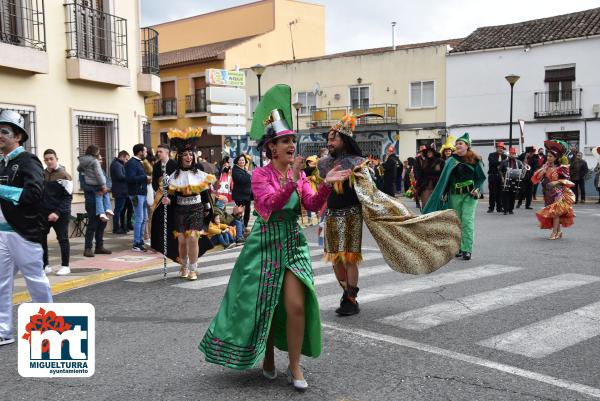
[(294, 22)]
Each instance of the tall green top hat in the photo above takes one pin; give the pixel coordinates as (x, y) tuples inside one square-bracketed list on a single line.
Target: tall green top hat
[(465, 138), (273, 113)]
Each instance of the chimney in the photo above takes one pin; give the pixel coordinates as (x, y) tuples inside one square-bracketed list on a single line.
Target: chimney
[(394, 35)]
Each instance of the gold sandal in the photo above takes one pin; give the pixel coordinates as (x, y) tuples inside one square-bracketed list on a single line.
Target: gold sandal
[(192, 276), (183, 272)]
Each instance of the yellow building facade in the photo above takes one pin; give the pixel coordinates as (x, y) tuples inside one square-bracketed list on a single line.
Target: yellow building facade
[(406, 86), (240, 37), (78, 72)]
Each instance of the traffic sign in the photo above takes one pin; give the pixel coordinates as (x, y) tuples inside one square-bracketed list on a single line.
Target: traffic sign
[(227, 130), (227, 120), (227, 95)]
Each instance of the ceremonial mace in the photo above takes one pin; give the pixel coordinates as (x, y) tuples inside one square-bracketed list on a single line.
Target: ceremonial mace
[(165, 193)]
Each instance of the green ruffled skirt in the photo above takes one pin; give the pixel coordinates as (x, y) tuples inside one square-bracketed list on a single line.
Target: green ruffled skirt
[(253, 301)]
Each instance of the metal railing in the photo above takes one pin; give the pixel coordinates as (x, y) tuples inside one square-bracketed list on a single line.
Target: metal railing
[(150, 51), (195, 103), (165, 107), (558, 103), (95, 35), (325, 117), (22, 23)]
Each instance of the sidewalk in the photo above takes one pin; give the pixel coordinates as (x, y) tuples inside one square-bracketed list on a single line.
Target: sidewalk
[(100, 268), (86, 271)]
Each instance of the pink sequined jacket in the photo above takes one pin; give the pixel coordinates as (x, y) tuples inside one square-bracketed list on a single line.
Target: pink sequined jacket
[(270, 196)]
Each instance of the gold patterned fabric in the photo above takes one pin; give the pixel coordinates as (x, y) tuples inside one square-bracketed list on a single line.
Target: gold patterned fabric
[(409, 244), (343, 235)]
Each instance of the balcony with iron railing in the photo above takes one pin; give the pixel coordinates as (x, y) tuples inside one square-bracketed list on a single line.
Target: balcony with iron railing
[(149, 51), (96, 45), (148, 78), (561, 103), (325, 117), (195, 104), (23, 35), (165, 108)]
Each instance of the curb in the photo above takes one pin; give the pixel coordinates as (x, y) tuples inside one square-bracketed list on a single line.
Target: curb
[(23, 296), (80, 282)]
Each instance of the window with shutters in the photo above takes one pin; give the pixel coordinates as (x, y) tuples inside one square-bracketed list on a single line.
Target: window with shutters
[(28, 114), (561, 97), (95, 34), (99, 131), (147, 133), (560, 83), (22, 23), (196, 103), (166, 105), (422, 94)]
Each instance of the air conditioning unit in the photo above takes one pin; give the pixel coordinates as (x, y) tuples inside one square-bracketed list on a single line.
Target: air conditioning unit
[(596, 109)]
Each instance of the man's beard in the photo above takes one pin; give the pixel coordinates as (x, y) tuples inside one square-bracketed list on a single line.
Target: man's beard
[(336, 152)]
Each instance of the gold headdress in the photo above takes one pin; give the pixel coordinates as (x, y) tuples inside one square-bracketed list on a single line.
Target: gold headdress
[(186, 140)]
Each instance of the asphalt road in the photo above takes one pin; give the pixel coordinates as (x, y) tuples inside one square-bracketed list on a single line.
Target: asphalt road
[(519, 321)]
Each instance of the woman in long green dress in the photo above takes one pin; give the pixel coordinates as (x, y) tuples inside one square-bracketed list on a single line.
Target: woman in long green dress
[(270, 299)]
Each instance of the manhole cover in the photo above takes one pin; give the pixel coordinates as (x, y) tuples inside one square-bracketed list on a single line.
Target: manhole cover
[(84, 270)]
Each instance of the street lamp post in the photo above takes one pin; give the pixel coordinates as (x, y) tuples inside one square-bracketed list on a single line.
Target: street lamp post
[(512, 80), (259, 69), (297, 106)]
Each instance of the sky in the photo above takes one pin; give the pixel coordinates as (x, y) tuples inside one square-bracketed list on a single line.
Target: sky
[(360, 24)]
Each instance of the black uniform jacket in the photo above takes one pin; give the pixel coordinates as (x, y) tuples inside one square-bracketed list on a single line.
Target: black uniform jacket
[(25, 171)]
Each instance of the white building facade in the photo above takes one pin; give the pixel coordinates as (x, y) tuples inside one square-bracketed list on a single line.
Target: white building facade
[(556, 96)]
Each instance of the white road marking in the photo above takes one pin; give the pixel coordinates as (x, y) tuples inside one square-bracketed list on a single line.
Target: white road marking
[(319, 280), (548, 336), (215, 268), (527, 374), (372, 294), (452, 310)]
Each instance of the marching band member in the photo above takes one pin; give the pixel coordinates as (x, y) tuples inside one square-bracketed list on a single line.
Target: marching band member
[(510, 186)]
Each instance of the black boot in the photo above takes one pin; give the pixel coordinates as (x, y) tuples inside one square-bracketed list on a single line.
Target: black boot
[(466, 256), (459, 254), (344, 296), (349, 304)]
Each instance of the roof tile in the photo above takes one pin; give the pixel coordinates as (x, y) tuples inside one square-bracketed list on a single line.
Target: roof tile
[(364, 52), (198, 53), (566, 26)]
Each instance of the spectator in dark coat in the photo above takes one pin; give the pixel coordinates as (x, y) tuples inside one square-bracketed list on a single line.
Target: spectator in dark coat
[(242, 186), (578, 171), (119, 190), (137, 187), (390, 172), (162, 165)]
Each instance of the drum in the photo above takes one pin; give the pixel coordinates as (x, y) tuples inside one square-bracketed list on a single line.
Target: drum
[(513, 178)]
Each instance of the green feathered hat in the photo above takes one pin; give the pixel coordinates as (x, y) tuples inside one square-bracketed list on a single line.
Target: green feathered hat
[(464, 138), (278, 98)]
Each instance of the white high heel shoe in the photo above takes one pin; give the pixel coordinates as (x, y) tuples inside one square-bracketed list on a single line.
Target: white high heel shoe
[(300, 385)]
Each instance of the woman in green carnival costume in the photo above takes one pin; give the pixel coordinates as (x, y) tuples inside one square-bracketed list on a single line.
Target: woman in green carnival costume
[(270, 299), (459, 188)]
